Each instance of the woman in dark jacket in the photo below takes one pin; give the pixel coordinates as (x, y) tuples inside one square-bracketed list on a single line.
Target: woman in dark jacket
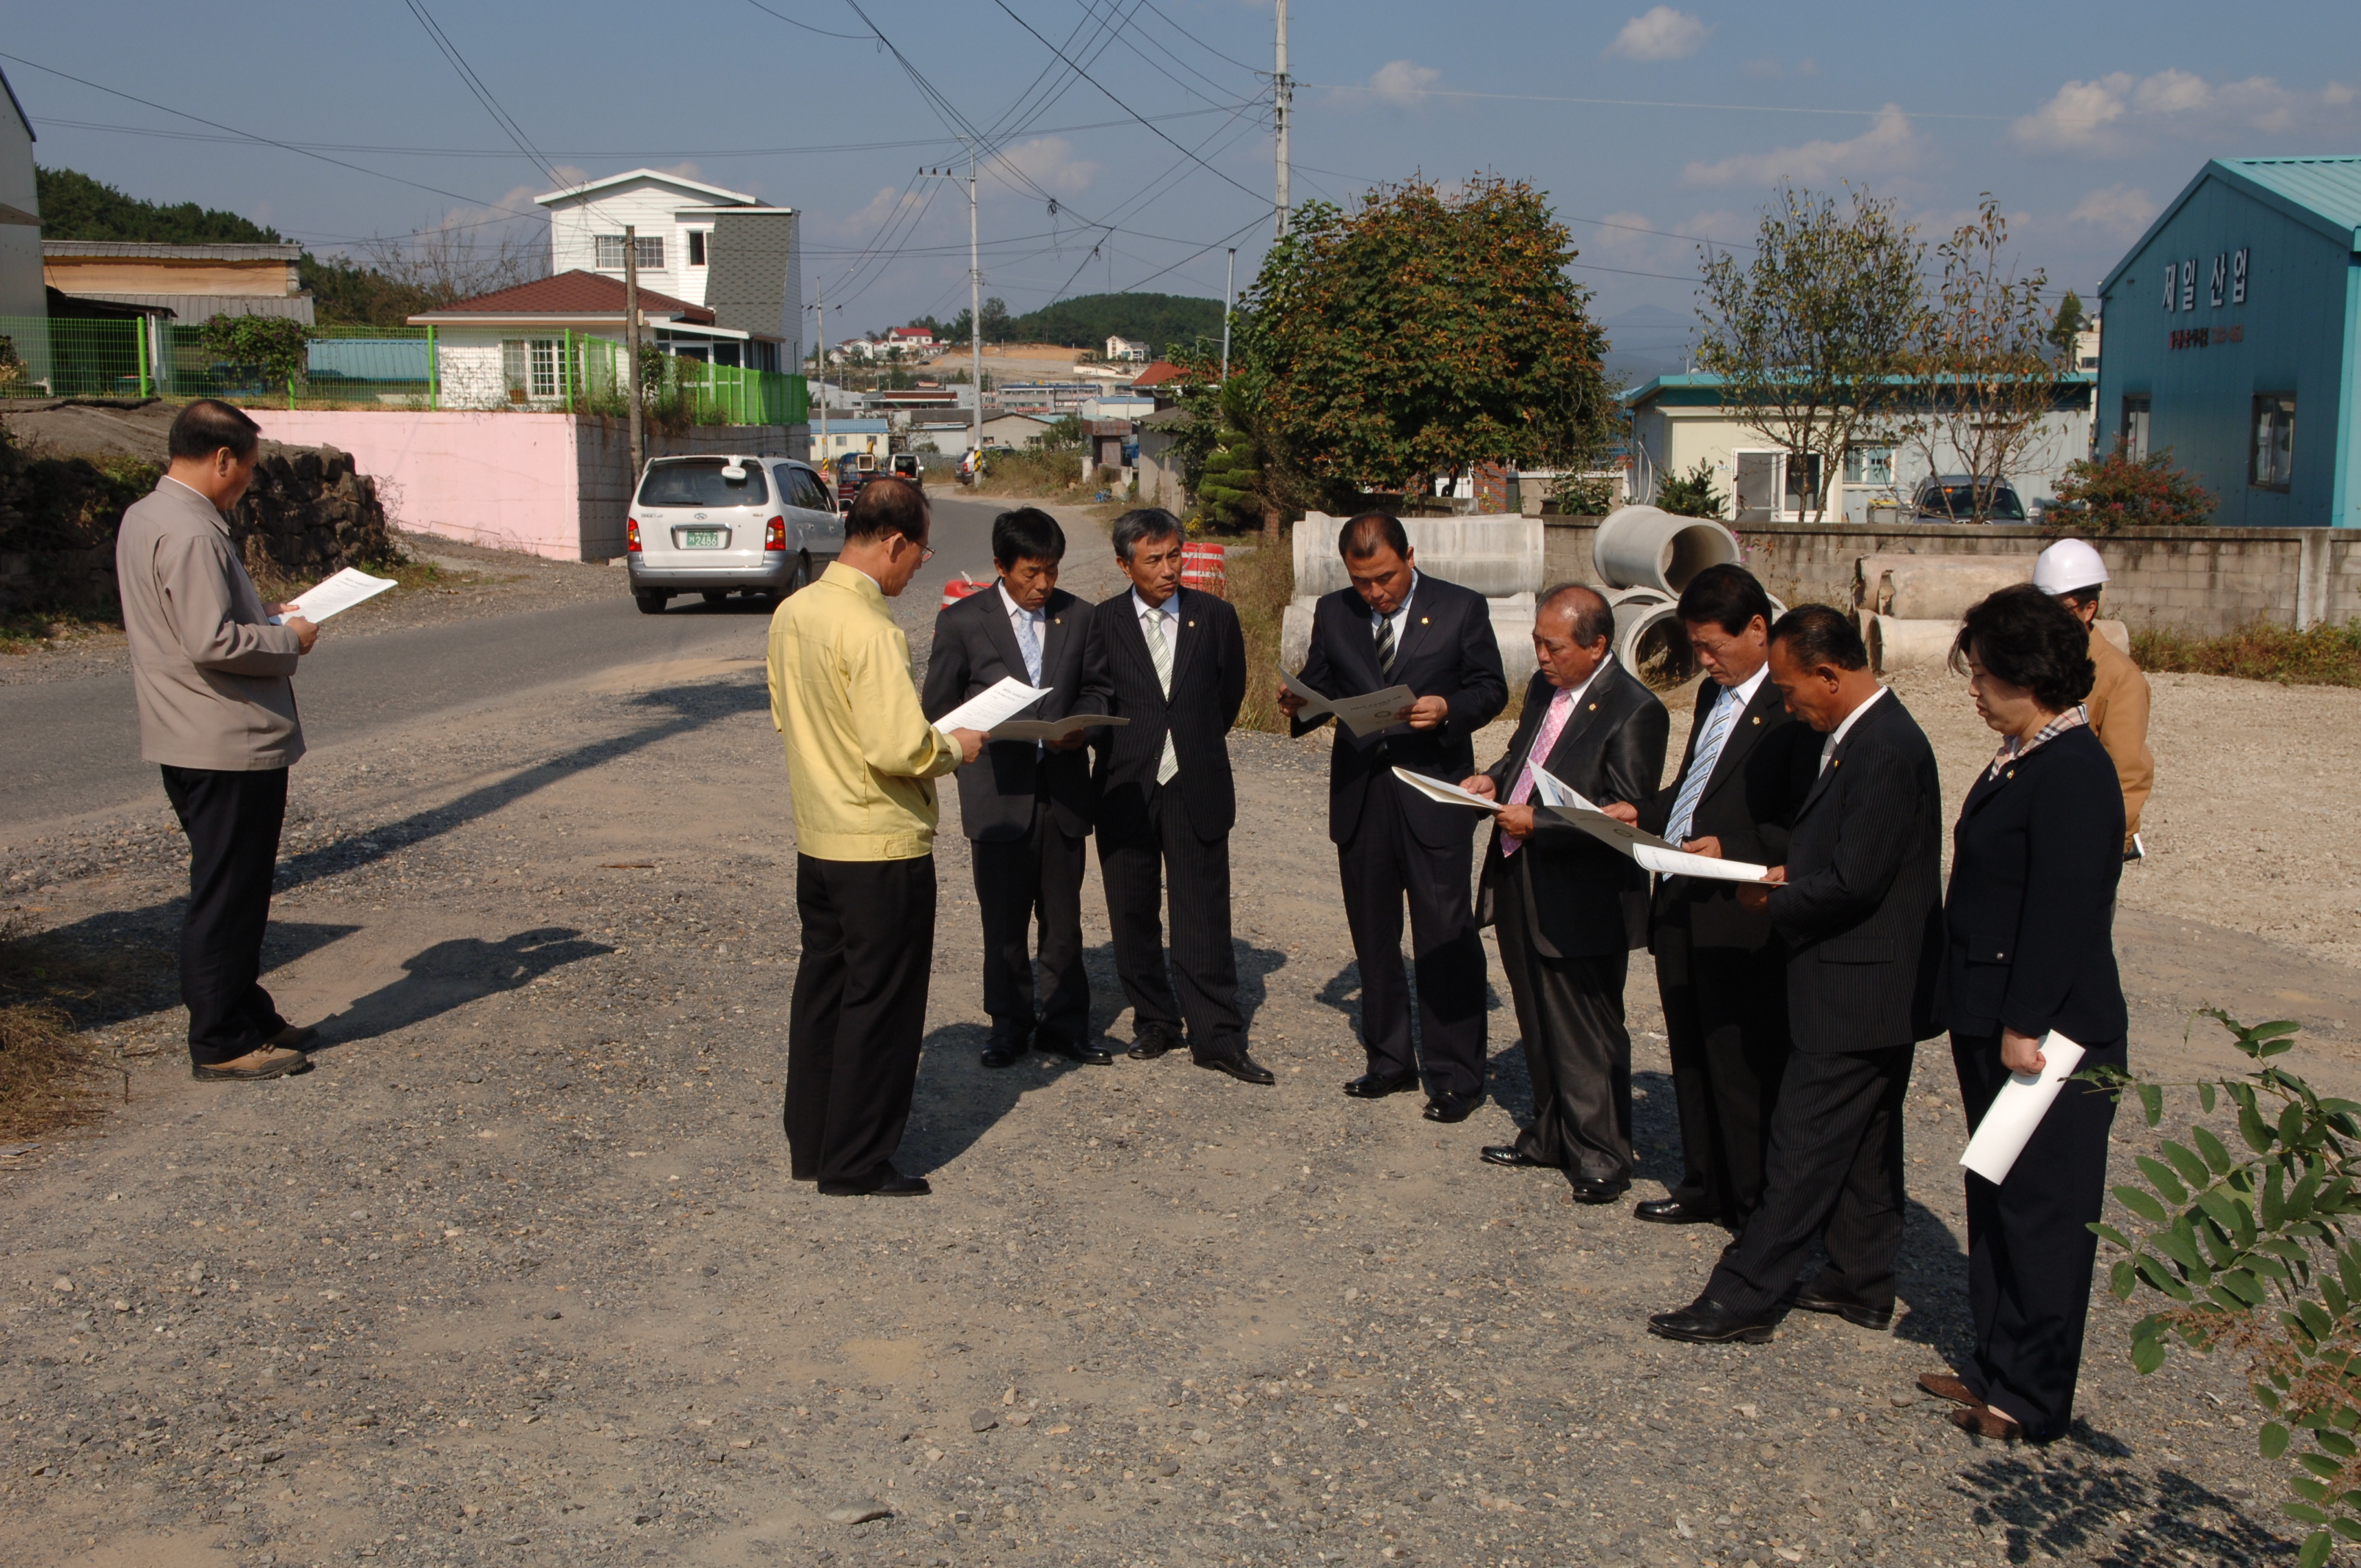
[(2035, 861)]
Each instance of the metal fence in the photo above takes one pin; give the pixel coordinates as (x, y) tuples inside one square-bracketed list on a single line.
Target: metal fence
[(369, 367)]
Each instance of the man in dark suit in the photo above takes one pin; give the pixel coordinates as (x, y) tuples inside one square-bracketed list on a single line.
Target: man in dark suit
[(1720, 972), (1395, 626), (1568, 908), (1859, 905), (1172, 662), (1028, 810)]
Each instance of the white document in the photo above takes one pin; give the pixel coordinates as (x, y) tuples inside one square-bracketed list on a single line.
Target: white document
[(1653, 853), (1680, 862), (335, 595), (2022, 1100), (1053, 728), (1361, 714), (1449, 794), (988, 709)]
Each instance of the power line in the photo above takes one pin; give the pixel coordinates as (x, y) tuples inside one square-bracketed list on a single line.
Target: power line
[(483, 94), (807, 27)]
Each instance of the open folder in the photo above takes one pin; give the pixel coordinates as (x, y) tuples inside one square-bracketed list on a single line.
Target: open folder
[(1362, 715), (1052, 730), (1564, 801)]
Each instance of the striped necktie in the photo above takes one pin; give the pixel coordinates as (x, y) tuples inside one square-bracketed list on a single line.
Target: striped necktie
[(1701, 766), (1385, 635), (1151, 626)]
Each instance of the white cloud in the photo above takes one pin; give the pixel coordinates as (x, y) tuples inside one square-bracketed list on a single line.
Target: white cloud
[(1051, 163), (2122, 211), (1402, 82), (1891, 143), (1660, 33), (2117, 113)]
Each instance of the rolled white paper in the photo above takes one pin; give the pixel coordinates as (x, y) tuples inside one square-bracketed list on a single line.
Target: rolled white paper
[(2018, 1108)]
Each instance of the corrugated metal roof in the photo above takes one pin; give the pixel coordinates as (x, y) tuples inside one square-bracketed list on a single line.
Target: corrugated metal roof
[(192, 308), (2330, 187), (121, 248)]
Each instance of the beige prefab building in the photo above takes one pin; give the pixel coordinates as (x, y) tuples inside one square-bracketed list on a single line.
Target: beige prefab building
[(195, 282), (1678, 422)]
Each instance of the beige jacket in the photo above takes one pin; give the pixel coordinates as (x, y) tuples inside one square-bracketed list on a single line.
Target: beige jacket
[(2119, 708), (210, 670)]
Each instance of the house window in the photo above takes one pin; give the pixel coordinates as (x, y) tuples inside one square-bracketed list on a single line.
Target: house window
[(2273, 462), (610, 253), (1868, 466), (529, 367), (696, 243), (2136, 429)]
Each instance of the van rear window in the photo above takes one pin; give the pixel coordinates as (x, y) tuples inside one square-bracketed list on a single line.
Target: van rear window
[(702, 483)]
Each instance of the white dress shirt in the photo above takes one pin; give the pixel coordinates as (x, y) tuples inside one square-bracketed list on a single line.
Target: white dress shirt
[(1399, 617), (1836, 736), (1018, 616)]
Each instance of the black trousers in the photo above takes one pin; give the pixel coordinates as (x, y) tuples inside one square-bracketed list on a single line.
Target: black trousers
[(1577, 1051), (232, 821), (1726, 1022), (1833, 1174), (1382, 865), (859, 1009), (1140, 866), (1017, 880), (2030, 1250)]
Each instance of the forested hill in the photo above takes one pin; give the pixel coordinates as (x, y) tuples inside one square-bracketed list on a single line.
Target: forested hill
[(1087, 322), (75, 207)]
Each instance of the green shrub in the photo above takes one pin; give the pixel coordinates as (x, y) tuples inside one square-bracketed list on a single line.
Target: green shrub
[(2323, 656), (2103, 495), (1690, 493), (1584, 496)]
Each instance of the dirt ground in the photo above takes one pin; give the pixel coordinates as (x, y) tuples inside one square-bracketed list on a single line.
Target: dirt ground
[(518, 1276)]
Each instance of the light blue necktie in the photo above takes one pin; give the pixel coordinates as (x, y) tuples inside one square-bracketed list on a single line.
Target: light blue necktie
[(1701, 765), (1029, 643)]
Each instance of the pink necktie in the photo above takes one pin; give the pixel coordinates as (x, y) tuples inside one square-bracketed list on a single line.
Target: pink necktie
[(1553, 723)]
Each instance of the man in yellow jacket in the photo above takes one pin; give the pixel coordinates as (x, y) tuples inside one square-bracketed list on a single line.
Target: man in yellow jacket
[(861, 762), (2071, 572)]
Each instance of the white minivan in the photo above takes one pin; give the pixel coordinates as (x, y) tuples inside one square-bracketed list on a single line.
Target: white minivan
[(720, 525)]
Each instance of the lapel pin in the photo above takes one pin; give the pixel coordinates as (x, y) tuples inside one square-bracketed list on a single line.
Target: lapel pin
[(1594, 707), (1758, 718), (1192, 624), (1424, 621), (2011, 774)]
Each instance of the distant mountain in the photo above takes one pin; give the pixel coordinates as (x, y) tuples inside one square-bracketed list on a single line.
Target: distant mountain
[(1158, 320), (1647, 341)]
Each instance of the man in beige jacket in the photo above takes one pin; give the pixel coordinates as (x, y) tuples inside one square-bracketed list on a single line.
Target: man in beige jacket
[(218, 714), (2072, 573)]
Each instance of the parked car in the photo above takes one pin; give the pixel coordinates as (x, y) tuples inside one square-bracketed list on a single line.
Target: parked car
[(1951, 497), (715, 526)]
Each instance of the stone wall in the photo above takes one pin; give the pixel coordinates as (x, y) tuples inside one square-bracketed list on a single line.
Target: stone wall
[(2202, 582)]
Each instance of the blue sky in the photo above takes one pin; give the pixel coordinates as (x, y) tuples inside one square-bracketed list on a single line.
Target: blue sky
[(1644, 124)]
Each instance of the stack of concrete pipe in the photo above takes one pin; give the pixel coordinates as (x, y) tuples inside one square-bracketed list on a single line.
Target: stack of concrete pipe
[(1498, 556), (1910, 606), (1646, 557)]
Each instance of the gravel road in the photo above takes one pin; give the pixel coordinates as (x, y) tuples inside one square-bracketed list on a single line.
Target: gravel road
[(518, 1276)]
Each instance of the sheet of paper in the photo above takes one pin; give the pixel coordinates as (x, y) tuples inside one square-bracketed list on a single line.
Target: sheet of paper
[(1362, 715), (1555, 791), (1053, 728), (335, 595), (2022, 1100), (988, 709), (1449, 794), (1680, 862)]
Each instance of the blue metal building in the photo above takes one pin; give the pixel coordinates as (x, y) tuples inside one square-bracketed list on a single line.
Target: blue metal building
[(2233, 335)]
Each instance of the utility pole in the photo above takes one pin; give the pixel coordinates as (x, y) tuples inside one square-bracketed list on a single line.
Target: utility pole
[(632, 346), (974, 289), (1282, 95), (819, 304), (1229, 293)]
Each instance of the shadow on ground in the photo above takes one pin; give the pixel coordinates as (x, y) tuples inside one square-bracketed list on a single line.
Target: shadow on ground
[(2071, 1502), (452, 974)]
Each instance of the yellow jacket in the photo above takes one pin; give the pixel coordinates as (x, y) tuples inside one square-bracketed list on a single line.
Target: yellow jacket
[(2119, 708), (861, 755)]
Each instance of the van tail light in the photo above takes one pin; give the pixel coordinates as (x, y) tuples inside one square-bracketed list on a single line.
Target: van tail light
[(775, 534), (632, 535)]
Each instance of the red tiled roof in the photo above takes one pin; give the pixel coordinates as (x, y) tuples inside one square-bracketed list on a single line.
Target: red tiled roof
[(910, 332), (1158, 374), (574, 293)]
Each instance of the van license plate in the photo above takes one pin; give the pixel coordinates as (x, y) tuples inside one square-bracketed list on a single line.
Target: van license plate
[(704, 538)]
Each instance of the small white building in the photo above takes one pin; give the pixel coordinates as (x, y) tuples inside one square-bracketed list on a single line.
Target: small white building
[(524, 346), (717, 248), (913, 339), (848, 437), (1126, 349)]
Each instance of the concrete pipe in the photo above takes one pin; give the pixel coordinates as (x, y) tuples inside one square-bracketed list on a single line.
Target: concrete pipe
[(1897, 644), (1946, 589), (1647, 547), (1652, 643)]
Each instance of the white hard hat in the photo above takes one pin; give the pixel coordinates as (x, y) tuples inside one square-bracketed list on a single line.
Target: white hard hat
[(2068, 565)]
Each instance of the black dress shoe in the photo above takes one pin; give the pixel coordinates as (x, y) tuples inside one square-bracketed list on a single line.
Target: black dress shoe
[(1242, 1067), (1076, 1050), (1508, 1154), (1151, 1042), (884, 1182), (1444, 1108), (1673, 1212), (1706, 1321), (1859, 1314), (1005, 1050), (1598, 1189), (1376, 1086)]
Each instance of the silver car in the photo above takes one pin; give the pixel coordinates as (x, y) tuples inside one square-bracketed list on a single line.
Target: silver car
[(719, 525)]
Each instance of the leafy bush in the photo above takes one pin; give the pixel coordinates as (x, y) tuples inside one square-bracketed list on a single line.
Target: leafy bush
[(2103, 495), (2322, 656), (2249, 1250), (1227, 487), (276, 349), (1690, 493), (1584, 496)]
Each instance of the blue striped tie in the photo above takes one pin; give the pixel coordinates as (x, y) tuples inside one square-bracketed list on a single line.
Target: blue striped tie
[(1701, 763)]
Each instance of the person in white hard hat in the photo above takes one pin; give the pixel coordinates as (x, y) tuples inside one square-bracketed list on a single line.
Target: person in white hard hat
[(2072, 573)]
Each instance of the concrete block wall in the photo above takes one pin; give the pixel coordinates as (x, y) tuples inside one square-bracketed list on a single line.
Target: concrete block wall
[(2203, 582)]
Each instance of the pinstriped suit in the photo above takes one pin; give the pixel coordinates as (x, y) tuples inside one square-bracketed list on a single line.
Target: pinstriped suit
[(1861, 914)]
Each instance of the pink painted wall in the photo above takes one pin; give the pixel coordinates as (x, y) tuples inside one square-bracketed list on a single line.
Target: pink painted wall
[(505, 479)]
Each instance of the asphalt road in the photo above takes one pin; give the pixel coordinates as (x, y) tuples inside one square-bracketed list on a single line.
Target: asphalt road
[(73, 745)]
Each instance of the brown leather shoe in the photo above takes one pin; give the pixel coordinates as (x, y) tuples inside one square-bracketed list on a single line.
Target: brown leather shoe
[(1985, 1421), (1943, 1386), (270, 1062)]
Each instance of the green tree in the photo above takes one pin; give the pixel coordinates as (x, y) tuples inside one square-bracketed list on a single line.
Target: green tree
[(1810, 336), (75, 207), (1691, 494), (275, 347), (1425, 331), (2066, 326)]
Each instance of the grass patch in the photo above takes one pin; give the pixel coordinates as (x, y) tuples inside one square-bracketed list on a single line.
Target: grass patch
[(48, 1074), (30, 631), (2323, 656), (1058, 474)]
